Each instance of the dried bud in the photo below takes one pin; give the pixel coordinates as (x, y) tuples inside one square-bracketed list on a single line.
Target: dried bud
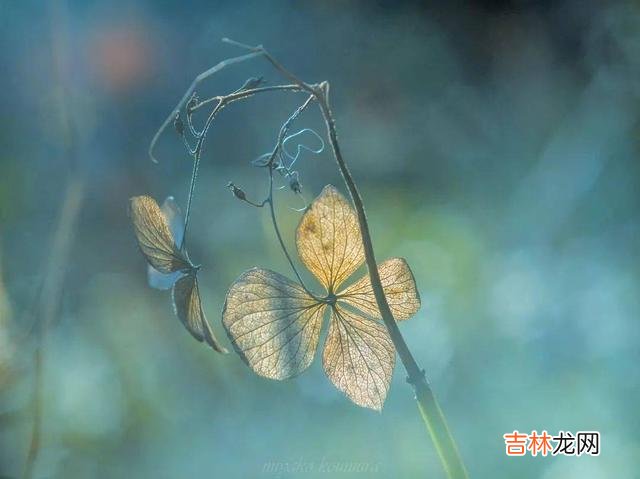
[(237, 192), (178, 125), (294, 184)]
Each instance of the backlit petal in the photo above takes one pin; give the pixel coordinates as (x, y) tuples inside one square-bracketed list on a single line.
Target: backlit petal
[(359, 357), (273, 323), (399, 288), (328, 239)]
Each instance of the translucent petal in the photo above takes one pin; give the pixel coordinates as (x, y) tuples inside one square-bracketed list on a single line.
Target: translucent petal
[(173, 214), (188, 308), (154, 236), (399, 288), (161, 281), (359, 357), (328, 239), (273, 323)]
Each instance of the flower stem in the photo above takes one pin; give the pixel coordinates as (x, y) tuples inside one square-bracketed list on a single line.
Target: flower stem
[(428, 406), (442, 438), (427, 403), (430, 410)]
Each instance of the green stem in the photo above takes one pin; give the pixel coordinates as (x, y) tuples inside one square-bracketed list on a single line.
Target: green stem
[(430, 410), (439, 431), (427, 403)]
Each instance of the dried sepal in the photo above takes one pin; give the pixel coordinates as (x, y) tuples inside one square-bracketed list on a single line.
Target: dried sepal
[(188, 307), (399, 288), (273, 323), (359, 358), (173, 215), (154, 236), (160, 233), (328, 239)]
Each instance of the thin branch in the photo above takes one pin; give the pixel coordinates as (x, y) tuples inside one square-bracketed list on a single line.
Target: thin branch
[(236, 95), (280, 240), (222, 102), (203, 76), (271, 166), (429, 408), (427, 403), (241, 94), (260, 50)]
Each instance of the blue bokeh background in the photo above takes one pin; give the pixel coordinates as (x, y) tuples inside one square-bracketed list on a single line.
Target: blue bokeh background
[(496, 147)]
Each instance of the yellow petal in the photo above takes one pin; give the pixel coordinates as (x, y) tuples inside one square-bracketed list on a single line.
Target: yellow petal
[(399, 288), (173, 215), (188, 308), (359, 358), (154, 236), (273, 323), (328, 239)]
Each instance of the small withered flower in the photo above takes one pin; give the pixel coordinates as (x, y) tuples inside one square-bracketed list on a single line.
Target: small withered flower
[(294, 183), (154, 228), (237, 192), (274, 323)]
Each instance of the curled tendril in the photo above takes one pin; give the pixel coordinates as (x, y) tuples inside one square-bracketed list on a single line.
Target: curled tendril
[(301, 146), (282, 160), (287, 160)]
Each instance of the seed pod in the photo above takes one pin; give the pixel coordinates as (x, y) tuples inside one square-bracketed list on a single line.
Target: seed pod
[(294, 184), (237, 192)]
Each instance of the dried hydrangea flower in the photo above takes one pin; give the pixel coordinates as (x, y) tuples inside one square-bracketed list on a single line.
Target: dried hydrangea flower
[(157, 241), (274, 323)]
